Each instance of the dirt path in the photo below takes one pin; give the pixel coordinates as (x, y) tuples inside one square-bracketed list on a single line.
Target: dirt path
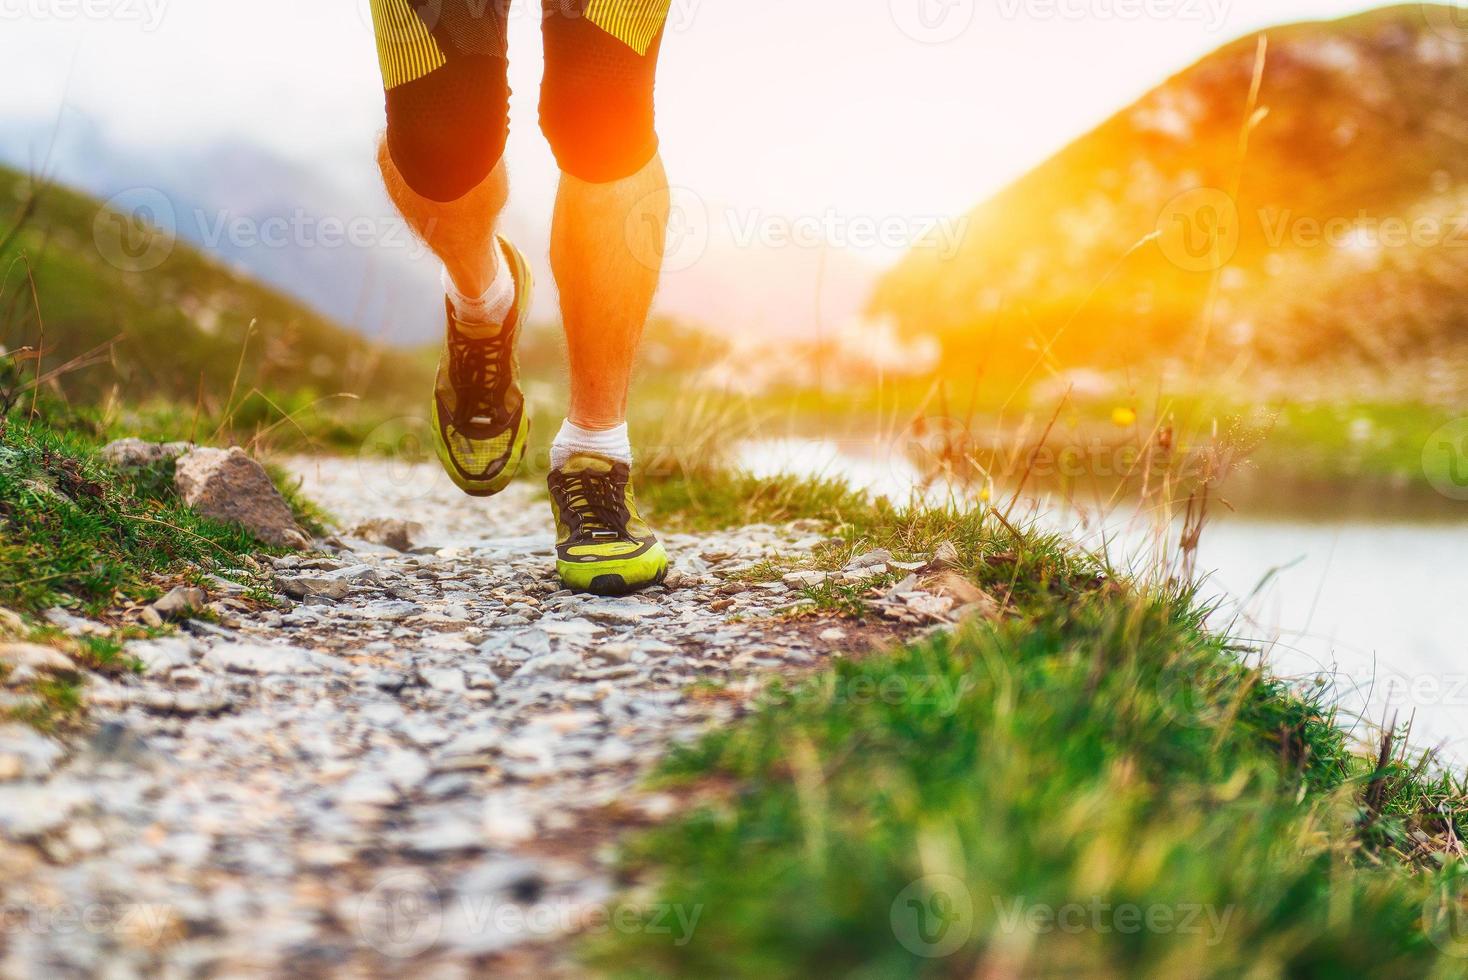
[(411, 767)]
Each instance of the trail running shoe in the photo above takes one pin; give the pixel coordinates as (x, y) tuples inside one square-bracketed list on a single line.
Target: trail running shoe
[(480, 426), (602, 544)]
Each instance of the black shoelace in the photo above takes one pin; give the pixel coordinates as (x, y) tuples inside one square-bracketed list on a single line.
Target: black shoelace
[(477, 371), (596, 500)]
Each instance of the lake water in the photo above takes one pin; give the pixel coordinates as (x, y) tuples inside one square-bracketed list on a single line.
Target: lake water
[(1376, 609)]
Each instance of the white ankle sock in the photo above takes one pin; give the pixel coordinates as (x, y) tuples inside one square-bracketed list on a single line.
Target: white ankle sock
[(572, 439), (490, 310)]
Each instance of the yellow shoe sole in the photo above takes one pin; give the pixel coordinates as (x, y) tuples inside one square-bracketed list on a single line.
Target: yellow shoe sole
[(614, 577)]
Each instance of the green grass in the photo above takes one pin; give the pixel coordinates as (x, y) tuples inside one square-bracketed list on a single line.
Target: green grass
[(265, 422), (311, 516), (1094, 753), (78, 535), (1351, 439), (1290, 448), (186, 329), (705, 500)]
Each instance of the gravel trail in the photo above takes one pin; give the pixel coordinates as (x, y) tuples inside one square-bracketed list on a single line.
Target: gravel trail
[(408, 768)]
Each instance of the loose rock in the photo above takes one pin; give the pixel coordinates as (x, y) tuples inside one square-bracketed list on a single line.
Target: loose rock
[(228, 485), (871, 559), (552, 665), (391, 532), (35, 657), (133, 454), (161, 655), (25, 753), (302, 586), (946, 556), (181, 602), (805, 580), (252, 658)]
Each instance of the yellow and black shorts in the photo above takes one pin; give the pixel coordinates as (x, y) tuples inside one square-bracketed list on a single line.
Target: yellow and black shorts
[(444, 65)]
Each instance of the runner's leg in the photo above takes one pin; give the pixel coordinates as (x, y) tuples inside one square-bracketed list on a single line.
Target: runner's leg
[(445, 71), (612, 207), (606, 252)]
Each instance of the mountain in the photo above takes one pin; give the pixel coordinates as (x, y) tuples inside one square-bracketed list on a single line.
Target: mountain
[(344, 251), (341, 250), (1323, 220), (78, 278)]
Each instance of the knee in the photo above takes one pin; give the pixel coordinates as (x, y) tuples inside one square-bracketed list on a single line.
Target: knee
[(596, 102), (599, 137), (447, 131)]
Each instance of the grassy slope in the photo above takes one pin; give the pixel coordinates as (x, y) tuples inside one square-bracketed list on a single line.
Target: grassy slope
[(181, 332), (76, 534), (1363, 117), (1095, 748), (189, 332)]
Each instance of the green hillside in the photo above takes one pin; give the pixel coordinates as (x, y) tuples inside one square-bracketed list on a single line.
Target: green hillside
[(1325, 220), (151, 318)]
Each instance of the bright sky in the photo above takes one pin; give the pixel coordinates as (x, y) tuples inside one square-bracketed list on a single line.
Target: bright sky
[(873, 108)]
